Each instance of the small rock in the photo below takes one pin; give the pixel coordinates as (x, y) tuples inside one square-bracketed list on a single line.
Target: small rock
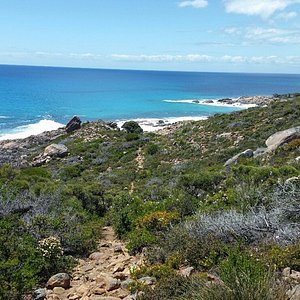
[(130, 297), (118, 268), (59, 291), (187, 271), (74, 297), (96, 256), (39, 294), (147, 280), (125, 284), (120, 275), (87, 268), (53, 297), (83, 289), (118, 248), (59, 280), (113, 284), (99, 291), (94, 297)]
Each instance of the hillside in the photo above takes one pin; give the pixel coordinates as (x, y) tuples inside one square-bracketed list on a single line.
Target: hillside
[(207, 199)]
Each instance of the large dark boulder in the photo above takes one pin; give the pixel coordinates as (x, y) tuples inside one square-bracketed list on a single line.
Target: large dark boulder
[(73, 124)]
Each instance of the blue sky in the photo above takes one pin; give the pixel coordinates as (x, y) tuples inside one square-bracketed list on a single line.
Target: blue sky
[(195, 35)]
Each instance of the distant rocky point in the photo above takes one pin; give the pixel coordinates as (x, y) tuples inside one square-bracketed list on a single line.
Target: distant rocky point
[(253, 100)]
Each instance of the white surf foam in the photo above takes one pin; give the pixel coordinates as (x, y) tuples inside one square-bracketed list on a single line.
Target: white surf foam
[(154, 124), (24, 131), (213, 102)]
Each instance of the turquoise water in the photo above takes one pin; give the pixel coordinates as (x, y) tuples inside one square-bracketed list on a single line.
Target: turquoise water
[(31, 94)]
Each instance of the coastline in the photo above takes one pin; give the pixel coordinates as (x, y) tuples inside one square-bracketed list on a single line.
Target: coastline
[(152, 124)]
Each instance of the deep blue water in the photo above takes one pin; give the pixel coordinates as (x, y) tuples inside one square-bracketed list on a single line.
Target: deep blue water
[(31, 94)]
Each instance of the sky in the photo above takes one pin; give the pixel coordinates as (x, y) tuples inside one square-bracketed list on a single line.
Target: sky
[(182, 35)]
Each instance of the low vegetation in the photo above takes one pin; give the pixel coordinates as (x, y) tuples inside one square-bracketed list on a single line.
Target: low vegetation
[(169, 196)]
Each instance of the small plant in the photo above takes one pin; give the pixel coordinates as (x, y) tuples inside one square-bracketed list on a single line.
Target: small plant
[(51, 248)]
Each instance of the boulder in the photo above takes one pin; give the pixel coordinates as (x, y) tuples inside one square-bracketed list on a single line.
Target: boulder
[(281, 137), (56, 150), (59, 280), (234, 159), (73, 124)]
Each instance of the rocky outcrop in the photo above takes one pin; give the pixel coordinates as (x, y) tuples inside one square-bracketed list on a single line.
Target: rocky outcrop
[(282, 137), (51, 151), (73, 124), (234, 159), (18, 152)]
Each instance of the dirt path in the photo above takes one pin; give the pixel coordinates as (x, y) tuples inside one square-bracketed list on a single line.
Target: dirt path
[(104, 275), (140, 166)]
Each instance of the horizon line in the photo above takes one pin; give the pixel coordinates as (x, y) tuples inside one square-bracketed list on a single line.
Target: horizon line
[(146, 70)]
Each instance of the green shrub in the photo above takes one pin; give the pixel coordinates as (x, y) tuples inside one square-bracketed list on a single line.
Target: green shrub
[(132, 127), (246, 277), (203, 181), (152, 149), (139, 239)]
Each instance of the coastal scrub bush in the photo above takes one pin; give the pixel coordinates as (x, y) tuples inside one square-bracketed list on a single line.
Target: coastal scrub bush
[(245, 276), (132, 136), (203, 181), (202, 252), (242, 277), (132, 127), (20, 260), (152, 148), (125, 210), (138, 239), (279, 222), (157, 221)]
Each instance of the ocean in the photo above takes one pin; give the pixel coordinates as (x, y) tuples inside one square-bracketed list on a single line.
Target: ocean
[(35, 99)]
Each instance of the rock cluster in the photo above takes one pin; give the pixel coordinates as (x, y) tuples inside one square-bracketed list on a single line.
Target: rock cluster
[(275, 141)]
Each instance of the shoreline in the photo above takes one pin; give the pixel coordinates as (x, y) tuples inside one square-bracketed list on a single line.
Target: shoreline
[(152, 124)]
